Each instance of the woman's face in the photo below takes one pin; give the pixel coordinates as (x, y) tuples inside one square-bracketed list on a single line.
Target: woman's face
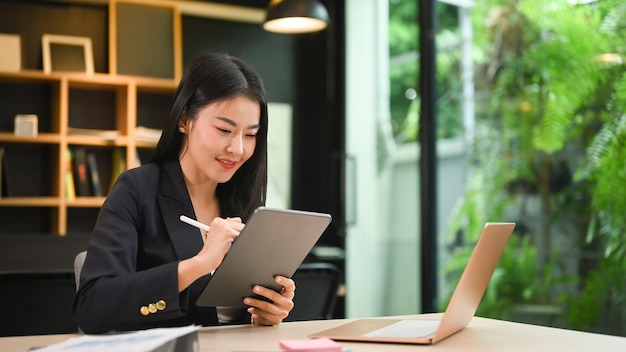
[(220, 139)]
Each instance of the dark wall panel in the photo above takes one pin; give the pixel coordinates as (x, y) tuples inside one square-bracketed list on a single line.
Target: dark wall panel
[(318, 180), (145, 40), (270, 54)]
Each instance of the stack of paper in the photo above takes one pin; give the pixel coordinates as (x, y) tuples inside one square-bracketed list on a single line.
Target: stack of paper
[(147, 134), (106, 134), (184, 339)]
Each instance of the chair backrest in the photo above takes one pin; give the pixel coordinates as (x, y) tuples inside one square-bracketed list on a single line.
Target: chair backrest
[(79, 260), (317, 285)]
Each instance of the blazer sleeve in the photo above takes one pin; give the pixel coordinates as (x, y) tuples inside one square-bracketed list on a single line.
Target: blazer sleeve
[(114, 295)]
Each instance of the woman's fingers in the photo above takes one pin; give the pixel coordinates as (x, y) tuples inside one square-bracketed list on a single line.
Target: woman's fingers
[(218, 240), (281, 303), (227, 229)]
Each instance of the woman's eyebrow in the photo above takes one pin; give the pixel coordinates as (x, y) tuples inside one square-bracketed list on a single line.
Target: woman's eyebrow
[(234, 124)]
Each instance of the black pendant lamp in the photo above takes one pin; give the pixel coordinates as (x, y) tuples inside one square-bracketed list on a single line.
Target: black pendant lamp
[(295, 16)]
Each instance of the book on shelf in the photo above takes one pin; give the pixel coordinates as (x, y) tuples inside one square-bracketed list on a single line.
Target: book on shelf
[(81, 178), (94, 175), (106, 134), (70, 191), (118, 166)]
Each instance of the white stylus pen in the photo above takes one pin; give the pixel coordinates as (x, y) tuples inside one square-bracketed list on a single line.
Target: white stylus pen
[(194, 223)]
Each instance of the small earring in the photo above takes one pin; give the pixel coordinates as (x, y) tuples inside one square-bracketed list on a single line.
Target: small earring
[(181, 129)]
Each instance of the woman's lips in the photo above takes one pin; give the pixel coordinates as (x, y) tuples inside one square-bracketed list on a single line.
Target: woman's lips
[(227, 164)]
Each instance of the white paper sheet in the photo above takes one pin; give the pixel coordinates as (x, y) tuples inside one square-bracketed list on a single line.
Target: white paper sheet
[(138, 341)]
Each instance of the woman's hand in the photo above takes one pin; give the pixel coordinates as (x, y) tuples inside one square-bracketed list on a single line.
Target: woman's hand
[(217, 242), (272, 313)]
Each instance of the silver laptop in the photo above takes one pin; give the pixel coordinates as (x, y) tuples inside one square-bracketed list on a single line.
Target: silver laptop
[(459, 312)]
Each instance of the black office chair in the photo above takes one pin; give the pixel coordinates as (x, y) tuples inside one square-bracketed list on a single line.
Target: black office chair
[(316, 291), (79, 261)]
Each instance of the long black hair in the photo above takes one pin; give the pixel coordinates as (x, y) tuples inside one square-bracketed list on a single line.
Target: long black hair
[(210, 78)]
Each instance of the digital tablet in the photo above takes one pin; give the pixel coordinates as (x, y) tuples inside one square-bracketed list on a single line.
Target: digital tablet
[(273, 242)]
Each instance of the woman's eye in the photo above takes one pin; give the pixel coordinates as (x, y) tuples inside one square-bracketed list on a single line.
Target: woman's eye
[(224, 131), (251, 136)]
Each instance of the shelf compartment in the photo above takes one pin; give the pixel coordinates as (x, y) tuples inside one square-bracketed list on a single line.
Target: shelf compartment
[(30, 170), (153, 108), (108, 165), (30, 97), (82, 113)]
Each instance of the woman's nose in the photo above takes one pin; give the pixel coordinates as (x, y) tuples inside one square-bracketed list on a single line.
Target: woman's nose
[(236, 145)]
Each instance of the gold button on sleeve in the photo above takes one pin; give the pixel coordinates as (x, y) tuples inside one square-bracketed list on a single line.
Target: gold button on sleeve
[(144, 310), (160, 304), (152, 308)]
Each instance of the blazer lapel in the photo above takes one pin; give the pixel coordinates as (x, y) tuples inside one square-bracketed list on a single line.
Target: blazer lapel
[(174, 201)]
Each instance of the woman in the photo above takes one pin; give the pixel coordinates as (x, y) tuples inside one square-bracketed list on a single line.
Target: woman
[(145, 268)]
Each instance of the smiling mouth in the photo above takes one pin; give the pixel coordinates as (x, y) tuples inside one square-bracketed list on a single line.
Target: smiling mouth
[(227, 163)]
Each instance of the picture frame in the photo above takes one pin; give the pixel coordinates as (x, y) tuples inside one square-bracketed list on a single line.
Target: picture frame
[(67, 53), (159, 38), (10, 52)]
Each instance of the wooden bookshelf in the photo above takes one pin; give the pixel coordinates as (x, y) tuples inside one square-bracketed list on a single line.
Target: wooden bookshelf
[(65, 102)]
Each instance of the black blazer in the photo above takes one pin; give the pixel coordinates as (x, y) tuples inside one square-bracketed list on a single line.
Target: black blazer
[(130, 277)]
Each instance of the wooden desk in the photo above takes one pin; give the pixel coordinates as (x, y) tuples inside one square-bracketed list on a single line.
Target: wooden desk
[(481, 335)]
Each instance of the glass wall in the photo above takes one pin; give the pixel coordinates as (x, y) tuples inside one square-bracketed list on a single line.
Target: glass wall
[(531, 97), (383, 245), (549, 112)]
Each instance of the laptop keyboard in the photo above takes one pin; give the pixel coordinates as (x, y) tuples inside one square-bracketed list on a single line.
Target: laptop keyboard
[(406, 328)]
